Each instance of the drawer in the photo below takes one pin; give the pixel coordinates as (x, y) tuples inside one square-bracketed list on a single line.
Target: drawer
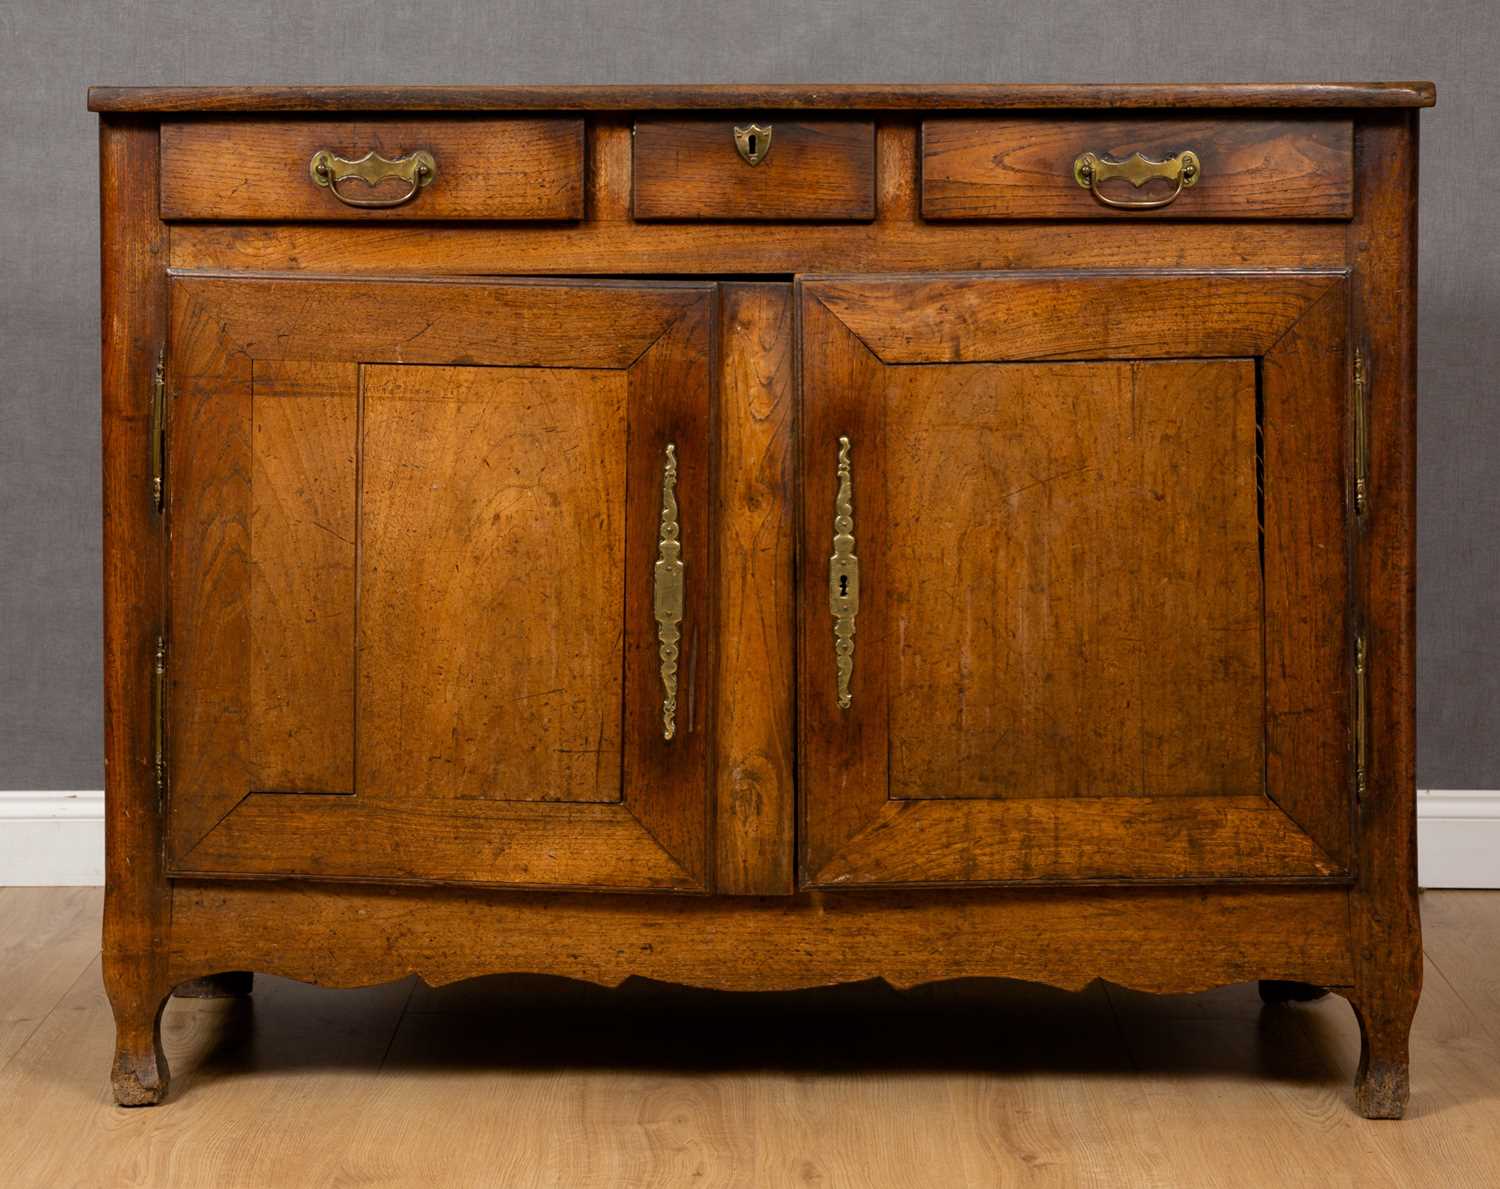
[(806, 170), (1246, 169), (479, 169)]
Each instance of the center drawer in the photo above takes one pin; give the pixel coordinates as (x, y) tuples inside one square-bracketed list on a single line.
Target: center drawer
[(755, 170), (364, 169)]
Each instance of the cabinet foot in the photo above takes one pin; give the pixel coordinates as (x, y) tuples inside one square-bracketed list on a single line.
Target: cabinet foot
[(1383, 1082), (1276, 990), (139, 1074), (232, 984)]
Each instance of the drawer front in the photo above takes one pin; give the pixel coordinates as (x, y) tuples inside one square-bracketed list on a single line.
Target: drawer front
[(476, 169), (1246, 169), (816, 170)]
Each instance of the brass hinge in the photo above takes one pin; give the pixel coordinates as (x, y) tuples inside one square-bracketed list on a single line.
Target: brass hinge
[(1361, 435), (1361, 717), (158, 430), (159, 719)]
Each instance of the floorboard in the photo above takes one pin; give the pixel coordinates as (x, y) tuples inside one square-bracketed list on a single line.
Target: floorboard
[(542, 1082)]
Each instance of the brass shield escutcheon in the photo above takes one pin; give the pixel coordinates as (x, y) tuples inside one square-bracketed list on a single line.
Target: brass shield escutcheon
[(753, 142)]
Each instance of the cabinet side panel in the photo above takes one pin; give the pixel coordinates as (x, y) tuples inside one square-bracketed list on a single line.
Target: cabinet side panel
[(1387, 928), (134, 245), (757, 606)]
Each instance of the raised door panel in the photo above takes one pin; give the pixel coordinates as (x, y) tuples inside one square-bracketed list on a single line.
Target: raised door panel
[(494, 544), (413, 538), (1094, 531), (1025, 504)]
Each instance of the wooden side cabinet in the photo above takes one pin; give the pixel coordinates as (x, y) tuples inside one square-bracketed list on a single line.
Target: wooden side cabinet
[(761, 538)]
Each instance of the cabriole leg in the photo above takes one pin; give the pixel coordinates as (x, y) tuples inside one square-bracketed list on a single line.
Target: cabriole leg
[(139, 1075), (1383, 1083)]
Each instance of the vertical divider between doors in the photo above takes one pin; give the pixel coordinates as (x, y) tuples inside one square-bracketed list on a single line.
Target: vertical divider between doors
[(754, 718), (799, 584), (1260, 541), (359, 558)]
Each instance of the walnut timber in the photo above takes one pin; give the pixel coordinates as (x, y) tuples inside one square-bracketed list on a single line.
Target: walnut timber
[(761, 537)]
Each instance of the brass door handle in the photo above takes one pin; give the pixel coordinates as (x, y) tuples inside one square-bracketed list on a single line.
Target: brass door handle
[(1091, 170), (843, 577), (668, 593), (328, 169)]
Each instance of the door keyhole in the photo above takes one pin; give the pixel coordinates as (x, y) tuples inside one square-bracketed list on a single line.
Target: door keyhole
[(843, 586)]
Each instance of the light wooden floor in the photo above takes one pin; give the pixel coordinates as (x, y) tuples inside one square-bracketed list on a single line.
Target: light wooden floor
[(538, 1082)]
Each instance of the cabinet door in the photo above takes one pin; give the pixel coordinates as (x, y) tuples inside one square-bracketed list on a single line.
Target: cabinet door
[(1076, 600), (420, 534)]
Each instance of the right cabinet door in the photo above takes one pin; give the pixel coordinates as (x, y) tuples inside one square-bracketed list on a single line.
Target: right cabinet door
[(1075, 600)]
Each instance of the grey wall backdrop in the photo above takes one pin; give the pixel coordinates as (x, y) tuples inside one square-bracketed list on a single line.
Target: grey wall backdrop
[(50, 715)]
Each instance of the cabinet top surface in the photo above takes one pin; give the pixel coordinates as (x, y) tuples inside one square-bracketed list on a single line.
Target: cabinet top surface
[(953, 97)]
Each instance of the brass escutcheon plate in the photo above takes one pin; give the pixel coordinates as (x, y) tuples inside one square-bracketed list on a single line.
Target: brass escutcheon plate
[(753, 142)]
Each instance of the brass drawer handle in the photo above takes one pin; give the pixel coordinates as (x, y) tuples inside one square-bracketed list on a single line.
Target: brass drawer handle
[(843, 576), (328, 169), (669, 589), (1091, 170)]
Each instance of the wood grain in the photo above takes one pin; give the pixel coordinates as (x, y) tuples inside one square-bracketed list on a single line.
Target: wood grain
[(491, 578), (755, 593), (261, 566), (425, 819), (1063, 840), (1385, 924), (611, 241), (815, 169), (51, 936), (485, 169), (1075, 581), (1251, 168), (1067, 314), (133, 245), (543, 1082), (210, 458), (842, 758), (1309, 654), (274, 316), (1150, 939), (673, 390), (430, 321), (852, 833), (529, 844), (304, 447), (886, 97)]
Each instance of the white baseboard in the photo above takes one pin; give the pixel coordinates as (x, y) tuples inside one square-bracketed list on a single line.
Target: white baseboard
[(1458, 838), (51, 838), (57, 838)]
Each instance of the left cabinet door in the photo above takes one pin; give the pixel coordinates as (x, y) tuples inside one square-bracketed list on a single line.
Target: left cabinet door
[(417, 628)]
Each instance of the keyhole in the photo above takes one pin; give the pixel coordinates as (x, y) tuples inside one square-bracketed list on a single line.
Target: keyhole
[(753, 142), (843, 586)]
